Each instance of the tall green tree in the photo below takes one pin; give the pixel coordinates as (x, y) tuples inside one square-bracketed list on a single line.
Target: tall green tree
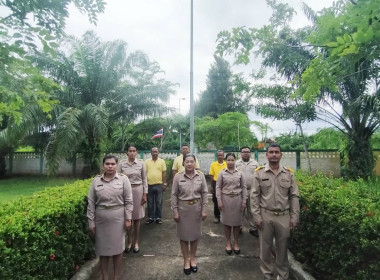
[(24, 91), (343, 50), (225, 92), (142, 93), (229, 129)]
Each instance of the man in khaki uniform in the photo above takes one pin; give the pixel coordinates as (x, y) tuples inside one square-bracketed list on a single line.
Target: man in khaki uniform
[(178, 161), (275, 208), (247, 165)]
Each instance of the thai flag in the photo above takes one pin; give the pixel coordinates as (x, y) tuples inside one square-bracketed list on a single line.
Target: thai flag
[(159, 134)]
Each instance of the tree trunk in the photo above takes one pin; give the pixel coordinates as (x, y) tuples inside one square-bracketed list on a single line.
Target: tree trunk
[(305, 148), (360, 155)]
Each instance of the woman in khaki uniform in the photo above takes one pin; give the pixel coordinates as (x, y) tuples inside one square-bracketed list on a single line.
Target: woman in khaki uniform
[(189, 205), (109, 213), (135, 170), (231, 193)]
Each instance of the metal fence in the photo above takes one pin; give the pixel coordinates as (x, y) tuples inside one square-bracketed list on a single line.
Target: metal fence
[(326, 161)]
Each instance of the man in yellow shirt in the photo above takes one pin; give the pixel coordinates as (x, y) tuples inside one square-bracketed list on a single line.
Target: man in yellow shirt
[(177, 163), (215, 168), (156, 176)]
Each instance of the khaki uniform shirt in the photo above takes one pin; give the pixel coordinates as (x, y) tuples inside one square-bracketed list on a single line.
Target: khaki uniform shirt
[(116, 192), (136, 172), (248, 168), (186, 188), (154, 169), (274, 192), (231, 183), (178, 166)]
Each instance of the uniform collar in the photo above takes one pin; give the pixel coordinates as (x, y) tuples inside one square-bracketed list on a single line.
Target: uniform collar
[(267, 168), (115, 177), (196, 173), (226, 170)]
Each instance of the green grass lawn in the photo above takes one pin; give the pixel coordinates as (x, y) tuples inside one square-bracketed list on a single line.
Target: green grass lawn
[(16, 187)]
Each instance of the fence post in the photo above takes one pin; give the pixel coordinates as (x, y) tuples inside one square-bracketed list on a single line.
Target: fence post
[(298, 160), (10, 163), (74, 164), (257, 155), (41, 163)]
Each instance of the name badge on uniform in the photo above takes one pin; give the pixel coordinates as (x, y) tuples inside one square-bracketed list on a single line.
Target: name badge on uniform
[(265, 179), (183, 181)]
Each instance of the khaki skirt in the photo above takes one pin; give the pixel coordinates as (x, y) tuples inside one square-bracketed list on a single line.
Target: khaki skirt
[(110, 232), (190, 221), (231, 215), (138, 209)]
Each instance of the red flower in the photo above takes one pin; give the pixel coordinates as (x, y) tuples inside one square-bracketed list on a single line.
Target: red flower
[(56, 232), (77, 267), (52, 257)]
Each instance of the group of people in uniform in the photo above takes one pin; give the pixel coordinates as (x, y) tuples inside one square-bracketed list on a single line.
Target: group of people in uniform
[(267, 196)]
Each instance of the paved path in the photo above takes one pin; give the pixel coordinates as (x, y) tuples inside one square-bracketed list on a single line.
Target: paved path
[(160, 255)]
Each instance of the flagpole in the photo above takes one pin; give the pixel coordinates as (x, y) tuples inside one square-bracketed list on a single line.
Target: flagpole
[(191, 85)]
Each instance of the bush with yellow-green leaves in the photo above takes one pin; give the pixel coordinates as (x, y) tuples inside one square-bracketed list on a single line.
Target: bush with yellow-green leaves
[(45, 236), (339, 232)]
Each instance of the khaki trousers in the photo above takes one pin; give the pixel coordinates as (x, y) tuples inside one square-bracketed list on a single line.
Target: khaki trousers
[(276, 227), (248, 214)]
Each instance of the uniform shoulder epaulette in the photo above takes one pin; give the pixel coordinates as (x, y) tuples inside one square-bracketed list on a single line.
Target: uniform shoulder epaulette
[(121, 174), (259, 167), (289, 169)]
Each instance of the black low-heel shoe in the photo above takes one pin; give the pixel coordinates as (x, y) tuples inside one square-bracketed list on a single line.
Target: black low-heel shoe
[(237, 252), (187, 271), (127, 250), (194, 268), (229, 252)]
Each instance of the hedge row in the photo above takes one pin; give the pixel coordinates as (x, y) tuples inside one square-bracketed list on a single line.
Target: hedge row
[(45, 236), (339, 232)]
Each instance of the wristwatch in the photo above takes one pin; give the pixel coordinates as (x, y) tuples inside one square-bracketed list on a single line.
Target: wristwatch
[(165, 184)]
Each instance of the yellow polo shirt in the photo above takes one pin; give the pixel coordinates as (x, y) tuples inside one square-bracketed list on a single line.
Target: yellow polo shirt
[(215, 168), (177, 164), (154, 170)]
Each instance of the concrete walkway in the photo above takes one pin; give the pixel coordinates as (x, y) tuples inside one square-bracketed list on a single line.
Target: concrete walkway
[(160, 255)]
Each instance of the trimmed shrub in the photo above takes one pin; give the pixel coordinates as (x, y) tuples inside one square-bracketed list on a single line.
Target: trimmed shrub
[(45, 236), (339, 232)]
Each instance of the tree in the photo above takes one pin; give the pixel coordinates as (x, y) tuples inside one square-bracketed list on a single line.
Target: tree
[(229, 129), (225, 92), (264, 128), (23, 88), (143, 93), (343, 55), (93, 95), (28, 23)]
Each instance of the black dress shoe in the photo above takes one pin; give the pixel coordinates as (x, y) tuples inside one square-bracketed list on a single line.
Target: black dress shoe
[(128, 249), (194, 268), (187, 271), (136, 250), (229, 252), (237, 252)]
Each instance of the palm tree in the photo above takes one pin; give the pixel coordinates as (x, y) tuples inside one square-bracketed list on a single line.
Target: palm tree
[(98, 88)]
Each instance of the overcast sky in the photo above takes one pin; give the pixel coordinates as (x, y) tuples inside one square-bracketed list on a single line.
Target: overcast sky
[(161, 29)]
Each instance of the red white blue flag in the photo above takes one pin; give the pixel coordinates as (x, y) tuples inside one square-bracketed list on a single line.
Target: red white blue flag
[(158, 134)]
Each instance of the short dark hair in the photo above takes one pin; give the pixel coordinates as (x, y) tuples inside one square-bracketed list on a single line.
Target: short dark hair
[(151, 149), (219, 151), (186, 156), (275, 145), (131, 146), (185, 144), (109, 157), (230, 155), (245, 147)]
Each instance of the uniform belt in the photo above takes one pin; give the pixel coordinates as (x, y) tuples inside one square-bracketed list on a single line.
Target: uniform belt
[(191, 202), (276, 212), (106, 207), (135, 185), (231, 194)]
